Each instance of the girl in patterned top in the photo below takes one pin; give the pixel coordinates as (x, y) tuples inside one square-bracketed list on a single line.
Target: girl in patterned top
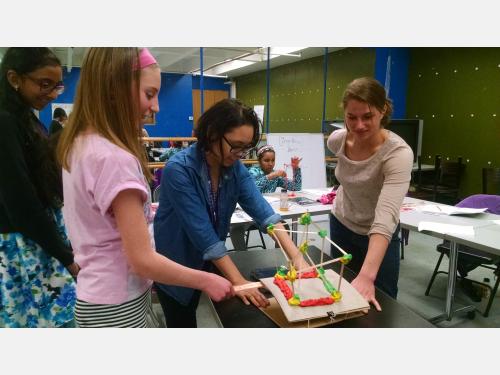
[(267, 179)]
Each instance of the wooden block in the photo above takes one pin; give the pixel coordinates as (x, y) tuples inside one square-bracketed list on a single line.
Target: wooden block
[(257, 284), (351, 301), (275, 313)]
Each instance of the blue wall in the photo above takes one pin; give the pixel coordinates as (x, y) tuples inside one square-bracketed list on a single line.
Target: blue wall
[(70, 82), (210, 83), (400, 59), (176, 105), (176, 98), (175, 101)]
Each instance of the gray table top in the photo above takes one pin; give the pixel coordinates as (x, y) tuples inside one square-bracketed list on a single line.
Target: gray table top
[(486, 234), (235, 314)]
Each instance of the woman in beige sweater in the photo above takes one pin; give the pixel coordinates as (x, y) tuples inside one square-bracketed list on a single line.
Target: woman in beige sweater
[(374, 171)]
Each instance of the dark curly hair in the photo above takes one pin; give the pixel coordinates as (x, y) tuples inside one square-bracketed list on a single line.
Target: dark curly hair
[(38, 150), (223, 116)]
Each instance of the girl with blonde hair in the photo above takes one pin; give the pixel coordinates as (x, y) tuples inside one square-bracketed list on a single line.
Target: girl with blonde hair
[(107, 198)]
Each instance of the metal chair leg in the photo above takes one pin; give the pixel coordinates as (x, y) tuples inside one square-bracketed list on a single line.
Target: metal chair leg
[(262, 239), (406, 236), (402, 245), (434, 274), (492, 296), (248, 237)]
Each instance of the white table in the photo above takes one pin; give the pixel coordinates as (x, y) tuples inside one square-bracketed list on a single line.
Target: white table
[(486, 238), (294, 211)]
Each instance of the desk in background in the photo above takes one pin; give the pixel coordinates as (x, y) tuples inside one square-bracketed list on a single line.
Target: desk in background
[(235, 314), (486, 238), (295, 210)]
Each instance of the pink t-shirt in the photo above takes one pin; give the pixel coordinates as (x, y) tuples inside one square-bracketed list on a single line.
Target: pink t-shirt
[(99, 171)]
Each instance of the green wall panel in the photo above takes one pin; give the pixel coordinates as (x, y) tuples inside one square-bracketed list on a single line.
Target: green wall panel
[(296, 103), (456, 91)]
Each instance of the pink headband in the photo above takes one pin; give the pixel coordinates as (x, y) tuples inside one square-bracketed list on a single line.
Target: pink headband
[(145, 59)]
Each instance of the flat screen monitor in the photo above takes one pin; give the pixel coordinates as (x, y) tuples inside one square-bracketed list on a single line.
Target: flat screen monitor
[(411, 131)]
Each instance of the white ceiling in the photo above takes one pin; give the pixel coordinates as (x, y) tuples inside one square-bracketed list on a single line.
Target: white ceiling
[(187, 59)]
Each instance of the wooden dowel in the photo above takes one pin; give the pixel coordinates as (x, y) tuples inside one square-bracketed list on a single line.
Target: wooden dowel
[(320, 264), (337, 246), (341, 275), (322, 249), (281, 247), (156, 165), (239, 288), (294, 231), (310, 260)]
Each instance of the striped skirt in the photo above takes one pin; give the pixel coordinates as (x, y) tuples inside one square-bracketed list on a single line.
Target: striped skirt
[(131, 314)]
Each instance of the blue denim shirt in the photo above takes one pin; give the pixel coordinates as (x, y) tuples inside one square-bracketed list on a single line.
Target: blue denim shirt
[(182, 228)]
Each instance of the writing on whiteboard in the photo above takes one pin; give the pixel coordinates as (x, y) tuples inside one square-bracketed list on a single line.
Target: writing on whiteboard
[(290, 144), (307, 146)]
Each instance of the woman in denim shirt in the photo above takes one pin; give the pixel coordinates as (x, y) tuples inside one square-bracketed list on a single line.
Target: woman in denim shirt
[(200, 188)]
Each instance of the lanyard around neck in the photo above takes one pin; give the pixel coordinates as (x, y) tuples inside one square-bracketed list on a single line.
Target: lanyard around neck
[(213, 196)]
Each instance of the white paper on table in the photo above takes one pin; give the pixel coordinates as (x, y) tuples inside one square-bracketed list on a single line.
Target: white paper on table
[(239, 213), (497, 222), (271, 199), (316, 192), (449, 210), (465, 230)]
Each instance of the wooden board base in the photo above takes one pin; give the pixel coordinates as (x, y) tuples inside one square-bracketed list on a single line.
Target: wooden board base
[(351, 301), (275, 313)]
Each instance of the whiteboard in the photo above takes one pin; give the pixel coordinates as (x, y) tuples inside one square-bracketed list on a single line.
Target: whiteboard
[(308, 146)]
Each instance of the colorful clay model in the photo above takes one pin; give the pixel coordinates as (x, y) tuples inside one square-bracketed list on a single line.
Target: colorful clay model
[(285, 278)]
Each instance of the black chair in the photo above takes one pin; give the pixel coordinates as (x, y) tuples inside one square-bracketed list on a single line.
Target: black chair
[(470, 258), (475, 258), (491, 181), (445, 186), (252, 228)]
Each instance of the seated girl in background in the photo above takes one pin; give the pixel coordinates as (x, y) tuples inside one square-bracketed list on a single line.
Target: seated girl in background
[(267, 179), (171, 151)]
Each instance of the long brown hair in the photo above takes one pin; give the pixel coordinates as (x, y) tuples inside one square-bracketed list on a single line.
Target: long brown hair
[(107, 99)]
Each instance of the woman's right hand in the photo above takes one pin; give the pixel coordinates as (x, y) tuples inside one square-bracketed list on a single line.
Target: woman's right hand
[(253, 296), (217, 287)]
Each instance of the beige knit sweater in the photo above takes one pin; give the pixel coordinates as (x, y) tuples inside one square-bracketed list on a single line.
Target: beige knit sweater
[(372, 190)]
